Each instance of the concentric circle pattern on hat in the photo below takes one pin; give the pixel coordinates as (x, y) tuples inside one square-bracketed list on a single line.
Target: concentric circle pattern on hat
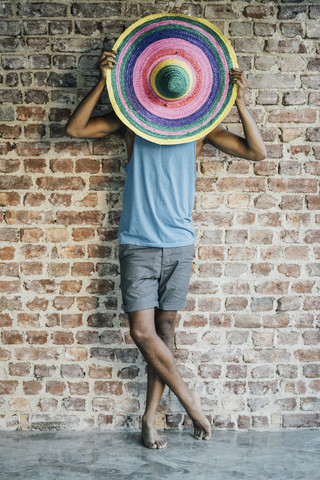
[(171, 81)]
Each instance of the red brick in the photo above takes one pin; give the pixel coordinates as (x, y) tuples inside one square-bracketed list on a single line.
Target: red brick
[(209, 371), (31, 268), (307, 355), (55, 387), (31, 234), (12, 286), (261, 268), (10, 131), (62, 338), (11, 337), (34, 131), (276, 321), (62, 183), (75, 218), (108, 388), (295, 98), (236, 303), (289, 270), (32, 149), (63, 302), (38, 337), (195, 321), (209, 304), (28, 320), (34, 199), (8, 387), (62, 165), (211, 253), (98, 371), (58, 269), (241, 184), (313, 134), (289, 134), (285, 46), (258, 11), (7, 253), (70, 286), (11, 182), (33, 251), (82, 268), (99, 251), (72, 148), (81, 234), (28, 217), (100, 286), (311, 337), (31, 113), (87, 165), (71, 320), (261, 236), (87, 303), (9, 199), (5, 320), (35, 165), (297, 252), (312, 236), (183, 338), (296, 420), (307, 115), (73, 251), (199, 286)]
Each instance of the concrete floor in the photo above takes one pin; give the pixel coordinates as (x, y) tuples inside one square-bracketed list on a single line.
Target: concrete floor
[(280, 455)]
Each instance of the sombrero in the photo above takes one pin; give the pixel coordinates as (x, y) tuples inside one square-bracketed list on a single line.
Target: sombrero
[(171, 81)]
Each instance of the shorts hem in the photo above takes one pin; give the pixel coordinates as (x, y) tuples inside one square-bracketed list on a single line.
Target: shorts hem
[(137, 308), (172, 306)]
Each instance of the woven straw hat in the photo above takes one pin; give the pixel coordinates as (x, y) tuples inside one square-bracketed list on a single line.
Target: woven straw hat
[(171, 82)]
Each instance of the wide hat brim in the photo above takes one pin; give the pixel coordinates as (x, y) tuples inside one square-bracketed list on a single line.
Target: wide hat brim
[(171, 82)]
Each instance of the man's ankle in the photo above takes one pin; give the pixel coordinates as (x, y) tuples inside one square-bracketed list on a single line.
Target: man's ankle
[(149, 418)]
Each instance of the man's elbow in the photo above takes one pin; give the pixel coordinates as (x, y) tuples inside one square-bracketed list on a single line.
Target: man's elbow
[(71, 131), (260, 155)]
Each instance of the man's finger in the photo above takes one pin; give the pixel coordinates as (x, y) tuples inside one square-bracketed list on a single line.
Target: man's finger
[(106, 60)]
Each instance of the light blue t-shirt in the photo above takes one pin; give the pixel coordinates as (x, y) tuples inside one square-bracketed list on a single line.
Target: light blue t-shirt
[(158, 195)]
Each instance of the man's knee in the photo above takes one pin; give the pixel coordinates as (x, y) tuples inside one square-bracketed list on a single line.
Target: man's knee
[(141, 328), (165, 323)]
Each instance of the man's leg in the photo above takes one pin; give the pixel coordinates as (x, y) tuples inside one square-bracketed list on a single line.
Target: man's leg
[(156, 353), (164, 323)]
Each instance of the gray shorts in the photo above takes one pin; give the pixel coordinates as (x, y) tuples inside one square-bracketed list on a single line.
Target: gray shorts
[(153, 277)]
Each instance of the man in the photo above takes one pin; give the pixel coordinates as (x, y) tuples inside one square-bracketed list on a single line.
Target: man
[(156, 238)]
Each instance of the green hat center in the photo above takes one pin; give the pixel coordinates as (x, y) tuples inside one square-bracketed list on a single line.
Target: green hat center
[(171, 79)]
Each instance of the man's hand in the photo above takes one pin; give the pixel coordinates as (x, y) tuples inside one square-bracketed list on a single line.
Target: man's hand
[(239, 78), (106, 61), (80, 124), (250, 146)]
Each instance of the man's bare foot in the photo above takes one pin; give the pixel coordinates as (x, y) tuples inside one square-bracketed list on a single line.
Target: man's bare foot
[(202, 427), (150, 436)]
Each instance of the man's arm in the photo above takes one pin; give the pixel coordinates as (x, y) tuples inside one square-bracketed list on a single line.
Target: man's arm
[(251, 146), (80, 124)]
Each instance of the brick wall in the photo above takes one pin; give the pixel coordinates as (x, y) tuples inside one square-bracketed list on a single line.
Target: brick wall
[(249, 338)]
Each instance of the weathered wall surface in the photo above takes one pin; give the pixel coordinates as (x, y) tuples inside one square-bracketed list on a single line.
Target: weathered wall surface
[(249, 339)]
